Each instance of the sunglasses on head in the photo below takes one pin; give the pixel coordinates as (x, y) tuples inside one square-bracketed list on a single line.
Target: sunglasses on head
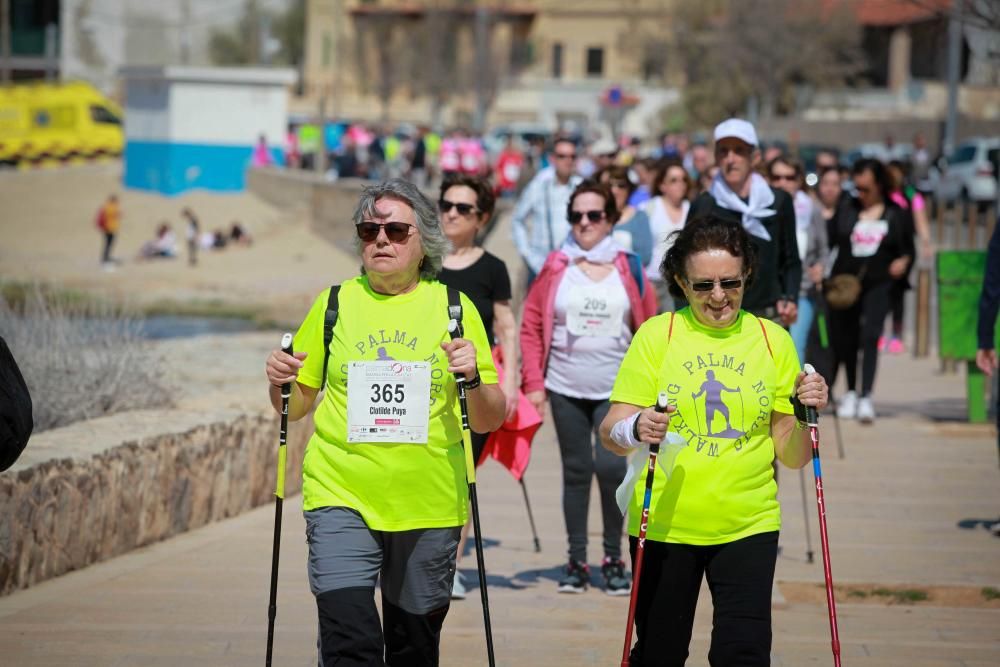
[(397, 232), (575, 217), (463, 209), (709, 285)]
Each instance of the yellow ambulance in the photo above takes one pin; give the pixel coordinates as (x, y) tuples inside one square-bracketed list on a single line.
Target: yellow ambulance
[(42, 123)]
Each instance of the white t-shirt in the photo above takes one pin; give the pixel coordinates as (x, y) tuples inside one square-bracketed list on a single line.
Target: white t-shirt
[(661, 226), (590, 335)]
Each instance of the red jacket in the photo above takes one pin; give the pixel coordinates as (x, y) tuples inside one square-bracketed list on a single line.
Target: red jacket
[(539, 313)]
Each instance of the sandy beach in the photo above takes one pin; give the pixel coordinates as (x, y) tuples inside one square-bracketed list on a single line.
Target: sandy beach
[(47, 233)]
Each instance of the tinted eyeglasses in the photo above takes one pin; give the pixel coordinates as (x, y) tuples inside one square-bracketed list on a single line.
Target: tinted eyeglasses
[(784, 177), (575, 217), (709, 285), (397, 232), (463, 209), (564, 156)]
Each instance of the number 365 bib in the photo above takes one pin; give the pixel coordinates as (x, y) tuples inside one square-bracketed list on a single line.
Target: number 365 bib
[(595, 311), (388, 401)]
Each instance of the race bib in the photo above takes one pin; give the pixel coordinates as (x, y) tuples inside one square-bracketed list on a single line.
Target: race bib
[(867, 236), (511, 172), (595, 312), (388, 401)]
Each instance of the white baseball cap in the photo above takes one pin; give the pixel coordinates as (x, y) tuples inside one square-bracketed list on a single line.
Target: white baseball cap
[(603, 147), (736, 128)]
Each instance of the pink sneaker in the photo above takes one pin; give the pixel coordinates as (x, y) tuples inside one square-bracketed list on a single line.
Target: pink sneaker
[(881, 343), (895, 346)]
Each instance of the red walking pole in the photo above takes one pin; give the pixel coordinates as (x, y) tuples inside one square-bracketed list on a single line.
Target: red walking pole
[(654, 449), (813, 420)]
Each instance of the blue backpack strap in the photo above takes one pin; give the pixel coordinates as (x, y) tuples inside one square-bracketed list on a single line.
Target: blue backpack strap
[(329, 322), (635, 266)]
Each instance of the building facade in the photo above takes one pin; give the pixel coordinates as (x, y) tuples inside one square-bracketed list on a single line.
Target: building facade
[(453, 62)]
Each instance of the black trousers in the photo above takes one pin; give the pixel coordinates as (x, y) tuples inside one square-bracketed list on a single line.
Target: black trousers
[(740, 575), (109, 240), (857, 329)]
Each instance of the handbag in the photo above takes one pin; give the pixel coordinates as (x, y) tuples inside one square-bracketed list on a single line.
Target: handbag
[(843, 289)]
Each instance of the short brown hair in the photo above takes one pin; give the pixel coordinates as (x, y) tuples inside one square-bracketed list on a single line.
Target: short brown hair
[(707, 232), (590, 185), (485, 199)]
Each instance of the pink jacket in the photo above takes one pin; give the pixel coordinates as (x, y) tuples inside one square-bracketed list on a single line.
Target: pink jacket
[(539, 313)]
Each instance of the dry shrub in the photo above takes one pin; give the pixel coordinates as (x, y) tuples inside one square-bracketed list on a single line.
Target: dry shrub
[(81, 358)]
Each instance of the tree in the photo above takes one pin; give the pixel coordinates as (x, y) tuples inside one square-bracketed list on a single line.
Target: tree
[(242, 45), (765, 51)]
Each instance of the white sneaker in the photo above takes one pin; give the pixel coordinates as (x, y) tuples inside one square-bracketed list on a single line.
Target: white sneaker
[(847, 406), (457, 587), (866, 411)]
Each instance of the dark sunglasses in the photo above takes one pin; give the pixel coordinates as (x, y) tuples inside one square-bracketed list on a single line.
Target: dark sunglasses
[(463, 209), (709, 285), (576, 217), (564, 156), (397, 232), (784, 177)]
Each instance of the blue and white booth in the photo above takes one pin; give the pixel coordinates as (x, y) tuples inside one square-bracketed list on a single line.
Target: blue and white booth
[(197, 127)]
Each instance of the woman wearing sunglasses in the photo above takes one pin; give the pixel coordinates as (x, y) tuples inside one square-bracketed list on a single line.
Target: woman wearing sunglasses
[(579, 317), (729, 377), (632, 229), (384, 488), (873, 238), (667, 211), (466, 205)]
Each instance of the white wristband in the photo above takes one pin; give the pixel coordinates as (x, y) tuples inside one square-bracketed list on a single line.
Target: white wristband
[(622, 432)]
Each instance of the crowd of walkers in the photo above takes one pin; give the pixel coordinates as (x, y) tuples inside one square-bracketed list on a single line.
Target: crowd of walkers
[(699, 273)]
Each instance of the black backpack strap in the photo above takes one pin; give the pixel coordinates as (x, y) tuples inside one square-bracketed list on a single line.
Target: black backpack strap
[(329, 322), (455, 308)]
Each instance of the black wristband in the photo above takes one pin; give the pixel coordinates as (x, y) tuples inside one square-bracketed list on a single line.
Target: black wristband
[(474, 382), (635, 429), (800, 410)]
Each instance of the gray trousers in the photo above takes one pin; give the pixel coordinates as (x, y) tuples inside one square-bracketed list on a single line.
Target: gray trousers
[(576, 421)]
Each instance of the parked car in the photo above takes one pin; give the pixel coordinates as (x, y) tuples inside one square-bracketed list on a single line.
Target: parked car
[(970, 172)]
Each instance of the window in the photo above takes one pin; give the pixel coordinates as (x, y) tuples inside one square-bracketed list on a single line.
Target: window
[(103, 116), (964, 153), (557, 57), (595, 61)]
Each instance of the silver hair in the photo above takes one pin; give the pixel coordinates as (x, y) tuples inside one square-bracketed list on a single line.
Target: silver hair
[(432, 239)]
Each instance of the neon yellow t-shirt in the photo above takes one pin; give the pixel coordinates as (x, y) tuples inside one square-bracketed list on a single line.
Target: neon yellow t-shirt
[(725, 385), (394, 487)]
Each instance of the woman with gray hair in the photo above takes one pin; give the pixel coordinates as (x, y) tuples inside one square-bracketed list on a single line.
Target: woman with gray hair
[(383, 480)]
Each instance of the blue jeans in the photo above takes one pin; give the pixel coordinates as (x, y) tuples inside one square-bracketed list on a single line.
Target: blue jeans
[(800, 330)]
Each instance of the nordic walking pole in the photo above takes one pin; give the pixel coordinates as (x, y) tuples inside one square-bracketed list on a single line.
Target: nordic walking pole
[(455, 330), (279, 496), (813, 420), (654, 449), (531, 518), (805, 515), (824, 342)]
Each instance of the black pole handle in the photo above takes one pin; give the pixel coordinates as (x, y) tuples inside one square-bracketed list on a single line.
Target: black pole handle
[(812, 417), (286, 347)]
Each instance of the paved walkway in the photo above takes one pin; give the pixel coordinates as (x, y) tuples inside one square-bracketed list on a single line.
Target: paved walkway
[(906, 506)]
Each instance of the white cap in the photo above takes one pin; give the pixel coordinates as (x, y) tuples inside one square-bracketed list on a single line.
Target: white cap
[(736, 128), (603, 147)]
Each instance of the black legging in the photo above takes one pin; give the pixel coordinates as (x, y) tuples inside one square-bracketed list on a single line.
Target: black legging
[(858, 328)]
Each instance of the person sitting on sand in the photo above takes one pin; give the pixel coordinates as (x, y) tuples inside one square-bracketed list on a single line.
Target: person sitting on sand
[(164, 245)]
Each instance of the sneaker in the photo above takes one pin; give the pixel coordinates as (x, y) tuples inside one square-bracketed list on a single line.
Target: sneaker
[(847, 406), (615, 581), (457, 587), (895, 346), (576, 579), (881, 344), (866, 411)]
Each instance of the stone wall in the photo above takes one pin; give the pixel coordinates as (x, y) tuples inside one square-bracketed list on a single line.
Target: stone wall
[(62, 514)]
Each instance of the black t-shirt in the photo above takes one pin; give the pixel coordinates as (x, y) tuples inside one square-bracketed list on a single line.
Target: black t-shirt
[(779, 269), (871, 249), (485, 281)]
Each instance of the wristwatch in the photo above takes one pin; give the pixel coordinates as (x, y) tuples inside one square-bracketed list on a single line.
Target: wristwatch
[(474, 382)]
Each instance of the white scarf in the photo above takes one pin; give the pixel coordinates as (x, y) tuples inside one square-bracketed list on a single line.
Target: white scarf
[(803, 204), (602, 253), (760, 198)]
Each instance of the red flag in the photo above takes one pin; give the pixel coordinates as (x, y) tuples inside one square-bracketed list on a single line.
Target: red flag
[(510, 445)]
